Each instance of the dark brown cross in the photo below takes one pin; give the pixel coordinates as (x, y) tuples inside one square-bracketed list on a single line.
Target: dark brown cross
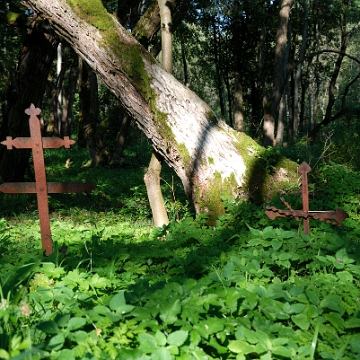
[(332, 217), (41, 187)]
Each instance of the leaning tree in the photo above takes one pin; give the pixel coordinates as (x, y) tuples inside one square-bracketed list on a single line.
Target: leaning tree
[(210, 158)]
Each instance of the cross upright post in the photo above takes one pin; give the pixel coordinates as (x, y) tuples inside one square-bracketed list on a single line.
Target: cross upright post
[(304, 169), (40, 178)]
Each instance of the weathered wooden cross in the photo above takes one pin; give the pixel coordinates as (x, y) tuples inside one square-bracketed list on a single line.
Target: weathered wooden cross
[(333, 217), (41, 187)]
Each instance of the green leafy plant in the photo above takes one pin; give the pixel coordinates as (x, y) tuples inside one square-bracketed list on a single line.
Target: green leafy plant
[(247, 288)]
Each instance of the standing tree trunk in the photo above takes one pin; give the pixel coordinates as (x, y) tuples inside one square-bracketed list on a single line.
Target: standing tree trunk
[(121, 137), (217, 52), (211, 159), (60, 69), (53, 125), (262, 79), (237, 31), (297, 77), (36, 57), (184, 62), (89, 111), (281, 122), (152, 176), (281, 56), (229, 97), (69, 93)]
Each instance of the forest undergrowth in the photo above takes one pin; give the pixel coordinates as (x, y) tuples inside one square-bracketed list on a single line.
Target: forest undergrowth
[(247, 288)]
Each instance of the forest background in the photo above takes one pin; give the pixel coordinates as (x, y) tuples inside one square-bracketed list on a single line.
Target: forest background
[(285, 73)]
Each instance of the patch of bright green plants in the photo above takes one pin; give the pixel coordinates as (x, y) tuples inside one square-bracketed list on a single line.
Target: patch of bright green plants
[(242, 289), (185, 291)]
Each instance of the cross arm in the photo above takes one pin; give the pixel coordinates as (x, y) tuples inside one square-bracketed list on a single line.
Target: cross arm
[(52, 187), (28, 142), (339, 215)]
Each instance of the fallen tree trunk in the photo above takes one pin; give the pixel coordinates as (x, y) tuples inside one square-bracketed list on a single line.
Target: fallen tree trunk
[(210, 158)]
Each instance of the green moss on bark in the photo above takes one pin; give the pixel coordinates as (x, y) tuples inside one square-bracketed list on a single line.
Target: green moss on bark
[(267, 172), (209, 198), (212, 118), (129, 55)]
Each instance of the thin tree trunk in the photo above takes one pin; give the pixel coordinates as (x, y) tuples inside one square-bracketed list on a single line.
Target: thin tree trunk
[(237, 55), (316, 99), (69, 95), (302, 119), (120, 139), (216, 48), (297, 77), (280, 125), (89, 112), (166, 34), (238, 106), (60, 69), (281, 56), (152, 176), (53, 126), (262, 80), (50, 124), (184, 62), (156, 200), (255, 108), (229, 97)]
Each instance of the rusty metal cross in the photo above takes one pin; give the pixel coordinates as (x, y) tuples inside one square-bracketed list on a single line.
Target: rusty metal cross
[(41, 187), (333, 217)]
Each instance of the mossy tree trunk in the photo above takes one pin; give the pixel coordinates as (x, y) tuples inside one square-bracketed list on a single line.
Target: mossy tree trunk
[(210, 158)]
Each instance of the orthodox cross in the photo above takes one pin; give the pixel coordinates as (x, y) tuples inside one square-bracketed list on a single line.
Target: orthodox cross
[(41, 187), (332, 217)]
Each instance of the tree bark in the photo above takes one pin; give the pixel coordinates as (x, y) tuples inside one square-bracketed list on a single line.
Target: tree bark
[(149, 23), (281, 56), (217, 51), (210, 158), (53, 124), (69, 94), (297, 75), (152, 183), (281, 122), (121, 137), (184, 62), (152, 177), (60, 69), (89, 112), (238, 39)]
